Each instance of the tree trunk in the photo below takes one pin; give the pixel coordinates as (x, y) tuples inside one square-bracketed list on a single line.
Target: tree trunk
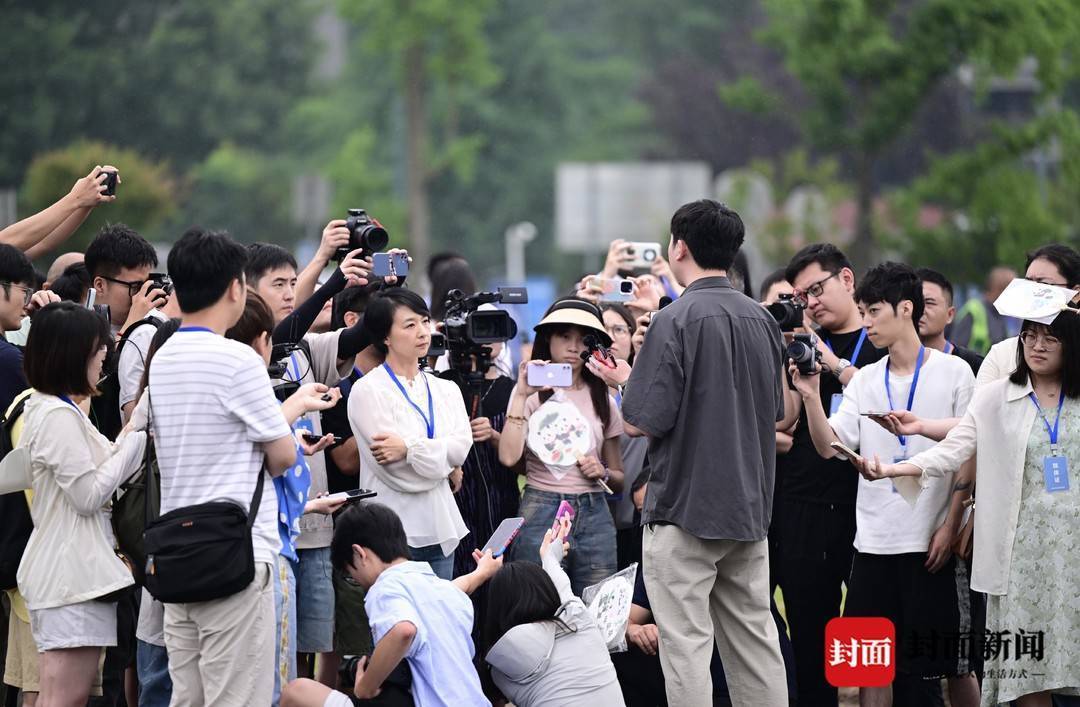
[(417, 154), (863, 253)]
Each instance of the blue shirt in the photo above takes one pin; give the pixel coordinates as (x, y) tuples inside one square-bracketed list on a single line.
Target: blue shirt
[(441, 654), (292, 495)]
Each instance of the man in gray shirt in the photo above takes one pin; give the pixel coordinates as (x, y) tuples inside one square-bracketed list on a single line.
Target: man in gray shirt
[(707, 389)]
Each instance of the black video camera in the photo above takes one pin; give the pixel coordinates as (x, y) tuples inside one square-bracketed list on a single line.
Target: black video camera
[(804, 352), (365, 233), (787, 310), (469, 332), (279, 366)]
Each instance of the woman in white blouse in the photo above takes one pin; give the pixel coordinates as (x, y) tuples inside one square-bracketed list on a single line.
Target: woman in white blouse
[(1025, 430), (70, 566), (411, 429)]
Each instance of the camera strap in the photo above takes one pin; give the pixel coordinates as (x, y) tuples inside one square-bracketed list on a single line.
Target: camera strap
[(429, 419)]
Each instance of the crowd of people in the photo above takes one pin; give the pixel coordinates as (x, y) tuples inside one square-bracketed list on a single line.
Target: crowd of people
[(310, 483)]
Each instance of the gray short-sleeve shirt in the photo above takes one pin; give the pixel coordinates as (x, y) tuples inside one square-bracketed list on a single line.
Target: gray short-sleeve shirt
[(707, 389)]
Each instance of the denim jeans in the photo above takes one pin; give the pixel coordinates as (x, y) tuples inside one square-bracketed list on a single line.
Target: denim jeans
[(285, 633), (314, 602), (592, 556), (442, 565), (152, 664)]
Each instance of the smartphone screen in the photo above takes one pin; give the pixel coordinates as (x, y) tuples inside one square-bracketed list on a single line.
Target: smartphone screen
[(550, 375), (503, 536), (386, 264), (845, 450)]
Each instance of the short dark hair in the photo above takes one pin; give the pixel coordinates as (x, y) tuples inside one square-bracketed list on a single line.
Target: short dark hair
[(1066, 326), (370, 525), (1065, 258), (116, 247), (202, 265), (451, 273), (72, 285), (771, 279), (830, 258), (15, 268), (264, 257), (379, 315), (351, 299), (62, 340), (713, 232), (934, 277), (739, 274), (520, 593), (892, 283), (253, 323), (440, 258)]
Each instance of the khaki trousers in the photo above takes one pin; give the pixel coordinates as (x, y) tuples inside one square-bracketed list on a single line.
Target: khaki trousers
[(703, 591), (221, 652)]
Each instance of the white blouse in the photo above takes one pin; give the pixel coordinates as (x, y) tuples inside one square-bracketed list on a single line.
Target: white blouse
[(416, 487)]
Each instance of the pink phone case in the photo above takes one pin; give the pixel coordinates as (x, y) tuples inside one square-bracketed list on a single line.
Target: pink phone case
[(565, 511)]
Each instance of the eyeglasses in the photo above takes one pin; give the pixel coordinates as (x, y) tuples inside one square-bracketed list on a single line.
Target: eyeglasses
[(1030, 338), (618, 330), (133, 286), (815, 290), (1047, 281), (27, 291)]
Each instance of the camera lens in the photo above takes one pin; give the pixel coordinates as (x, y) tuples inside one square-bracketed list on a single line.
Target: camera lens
[(649, 255)]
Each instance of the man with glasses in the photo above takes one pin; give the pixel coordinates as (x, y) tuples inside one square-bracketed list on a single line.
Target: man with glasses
[(1053, 264), (817, 496)]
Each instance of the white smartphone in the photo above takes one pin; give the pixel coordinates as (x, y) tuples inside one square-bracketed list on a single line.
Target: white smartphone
[(645, 254), (550, 375), (845, 450), (353, 495)]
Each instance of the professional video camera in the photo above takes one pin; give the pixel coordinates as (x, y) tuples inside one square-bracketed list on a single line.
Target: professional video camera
[(365, 233), (279, 366), (787, 310), (469, 331)]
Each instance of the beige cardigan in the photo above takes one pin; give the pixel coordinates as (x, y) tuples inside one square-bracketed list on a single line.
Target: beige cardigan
[(74, 472), (997, 426)]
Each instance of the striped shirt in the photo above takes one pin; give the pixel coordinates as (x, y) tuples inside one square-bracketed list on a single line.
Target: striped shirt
[(212, 406)]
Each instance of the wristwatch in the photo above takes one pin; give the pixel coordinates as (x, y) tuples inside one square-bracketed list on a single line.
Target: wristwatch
[(840, 366)]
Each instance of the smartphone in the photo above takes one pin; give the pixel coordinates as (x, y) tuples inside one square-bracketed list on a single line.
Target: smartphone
[(874, 414), (565, 511), (314, 439), (91, 297), (645, 254), (550, 375), (614, 290), (352, 496), (110, 183), (845, 450), (503, 536), (386, 264)]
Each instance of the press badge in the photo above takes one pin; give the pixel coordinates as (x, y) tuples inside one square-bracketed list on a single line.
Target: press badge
[(1056, 472), (902, 456), (834, 403)]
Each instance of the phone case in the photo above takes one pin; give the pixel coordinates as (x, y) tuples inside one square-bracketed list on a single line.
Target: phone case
[(553, 375), (565, 511), (497, 551)]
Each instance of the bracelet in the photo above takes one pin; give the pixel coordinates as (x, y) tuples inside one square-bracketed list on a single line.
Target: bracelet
[(517, 419)]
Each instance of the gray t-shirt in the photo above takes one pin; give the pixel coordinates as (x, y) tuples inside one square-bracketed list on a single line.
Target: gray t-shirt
[(707, 389)]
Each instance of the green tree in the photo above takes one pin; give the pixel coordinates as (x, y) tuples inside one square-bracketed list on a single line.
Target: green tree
[(145, 200), (869, 65)]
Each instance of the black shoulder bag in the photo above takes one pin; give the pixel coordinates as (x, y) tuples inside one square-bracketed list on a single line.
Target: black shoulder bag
[(202, 552)]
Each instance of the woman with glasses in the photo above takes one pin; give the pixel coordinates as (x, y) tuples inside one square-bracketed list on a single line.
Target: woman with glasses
[(1025, 432)]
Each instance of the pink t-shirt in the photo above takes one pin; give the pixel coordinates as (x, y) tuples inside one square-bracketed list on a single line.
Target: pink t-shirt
[(539, 476)]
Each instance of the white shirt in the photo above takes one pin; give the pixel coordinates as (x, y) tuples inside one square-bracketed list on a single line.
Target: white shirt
[(129, 369), (884, 522), (212, 406), (416, 487), (1000, 361)]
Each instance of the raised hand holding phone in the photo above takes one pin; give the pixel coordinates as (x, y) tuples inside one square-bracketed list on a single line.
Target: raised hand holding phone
[(500, 540)]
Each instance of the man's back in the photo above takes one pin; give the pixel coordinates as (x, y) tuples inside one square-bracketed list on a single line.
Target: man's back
[(707, 388), (212, 405)]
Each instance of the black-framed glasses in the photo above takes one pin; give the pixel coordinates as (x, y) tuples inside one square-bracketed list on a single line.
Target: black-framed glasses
[(133, 286), (814, 290), (28, 292), (1030, 338)]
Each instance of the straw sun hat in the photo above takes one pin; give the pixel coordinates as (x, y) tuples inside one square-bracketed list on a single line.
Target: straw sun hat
[(576, 312)]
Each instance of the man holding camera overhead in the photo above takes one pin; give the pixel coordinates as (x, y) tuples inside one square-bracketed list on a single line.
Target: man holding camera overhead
[(709, 358)]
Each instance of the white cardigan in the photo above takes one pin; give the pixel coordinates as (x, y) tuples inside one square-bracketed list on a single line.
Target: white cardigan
[(74, 470), (997, 426)]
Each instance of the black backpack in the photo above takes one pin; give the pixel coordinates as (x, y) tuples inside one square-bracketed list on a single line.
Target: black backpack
[(105, 407), (17, 524)]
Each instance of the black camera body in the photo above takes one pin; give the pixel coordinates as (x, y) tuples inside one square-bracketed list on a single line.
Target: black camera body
[(787, 310), (804, 352), (161, 282), (110, 183), (365, 233)]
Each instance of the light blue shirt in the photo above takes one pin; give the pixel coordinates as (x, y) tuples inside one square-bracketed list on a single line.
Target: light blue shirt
[(441, 654)]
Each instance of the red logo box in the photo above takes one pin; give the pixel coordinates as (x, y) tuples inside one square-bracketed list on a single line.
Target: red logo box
[(860, 652)]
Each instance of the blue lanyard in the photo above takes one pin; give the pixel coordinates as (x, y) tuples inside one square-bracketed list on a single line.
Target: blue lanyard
[(949, 348), (68, 400), (196, 328), (618, 400), (1052, 431), (358, 372), (911, 391), (429, 419), (858, 347), (296, 367)]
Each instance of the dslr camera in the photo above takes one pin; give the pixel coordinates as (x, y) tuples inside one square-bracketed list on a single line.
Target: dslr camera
[(787, 310), (365, 233), (804, 352)]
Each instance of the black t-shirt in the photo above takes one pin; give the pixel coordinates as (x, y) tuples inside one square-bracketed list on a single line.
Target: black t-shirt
[(12, 379), (336, 421), (808, 477), (971, 358)]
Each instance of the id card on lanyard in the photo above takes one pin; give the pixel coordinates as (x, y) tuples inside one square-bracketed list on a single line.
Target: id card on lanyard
[(903, 455), (429, 419), (837, 398), (1056, 465), (303, 423)]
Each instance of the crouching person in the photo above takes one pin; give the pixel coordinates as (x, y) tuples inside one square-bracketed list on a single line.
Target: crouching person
[(414, 616)]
